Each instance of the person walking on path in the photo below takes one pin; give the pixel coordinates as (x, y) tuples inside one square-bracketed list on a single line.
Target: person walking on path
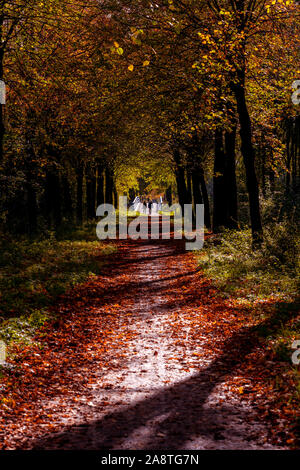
[(149, 206), (160, 204), (135, 204), (144, 206)]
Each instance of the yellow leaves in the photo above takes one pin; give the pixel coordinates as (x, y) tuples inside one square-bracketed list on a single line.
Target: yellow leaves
[(131, 68), (136, 36), (117, 48), (206, 38), (273, 2), (8, 402), (146, 63), (177, 29), (136, 41)]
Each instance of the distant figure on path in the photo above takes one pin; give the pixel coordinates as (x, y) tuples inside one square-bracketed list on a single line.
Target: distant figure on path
[(149, 206), (144, 207), (155, 207), (136, 203), (160, 203)]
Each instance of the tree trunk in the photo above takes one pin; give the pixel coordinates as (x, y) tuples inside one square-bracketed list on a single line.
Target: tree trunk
[(132, 195), (32, 208), (79, 194), (2, 127), (91, 193), (248, 157), (197, 194), (207, 219), (189, 188), (31, 176), (180, 180), (230, 179), (53, 198), (67, 197), (225, 187), (108, 186), (100, 186), (57, 215), (263, 171), (169, 197), (220, 196), (116, 200), (288, 158), (198, 180)]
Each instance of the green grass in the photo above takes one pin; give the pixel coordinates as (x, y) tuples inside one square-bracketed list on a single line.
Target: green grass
[(266, 282), (33, 274), (238, 271)]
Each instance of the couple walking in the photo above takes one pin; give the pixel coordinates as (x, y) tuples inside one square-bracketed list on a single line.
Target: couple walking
[(146, 206)]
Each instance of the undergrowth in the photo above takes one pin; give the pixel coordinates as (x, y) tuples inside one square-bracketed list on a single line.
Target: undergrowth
[(34, 273), (228, 259), (266, 282)]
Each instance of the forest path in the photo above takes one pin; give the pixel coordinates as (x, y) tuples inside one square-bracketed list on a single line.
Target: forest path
[(167, 382)]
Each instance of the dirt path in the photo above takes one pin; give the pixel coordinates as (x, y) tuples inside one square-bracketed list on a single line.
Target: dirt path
[(166, 386)]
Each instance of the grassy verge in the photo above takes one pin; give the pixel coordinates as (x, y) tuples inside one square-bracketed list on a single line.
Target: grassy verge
[(266, 283), (274, 271), (33, 274)]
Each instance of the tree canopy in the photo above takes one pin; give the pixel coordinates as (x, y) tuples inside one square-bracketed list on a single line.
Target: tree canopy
[(189, 96)]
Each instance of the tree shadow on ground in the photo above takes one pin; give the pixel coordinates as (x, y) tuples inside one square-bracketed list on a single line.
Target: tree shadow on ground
[(174, 416)]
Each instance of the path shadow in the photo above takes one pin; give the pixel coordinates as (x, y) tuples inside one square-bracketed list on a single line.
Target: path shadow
[(175, 415)]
